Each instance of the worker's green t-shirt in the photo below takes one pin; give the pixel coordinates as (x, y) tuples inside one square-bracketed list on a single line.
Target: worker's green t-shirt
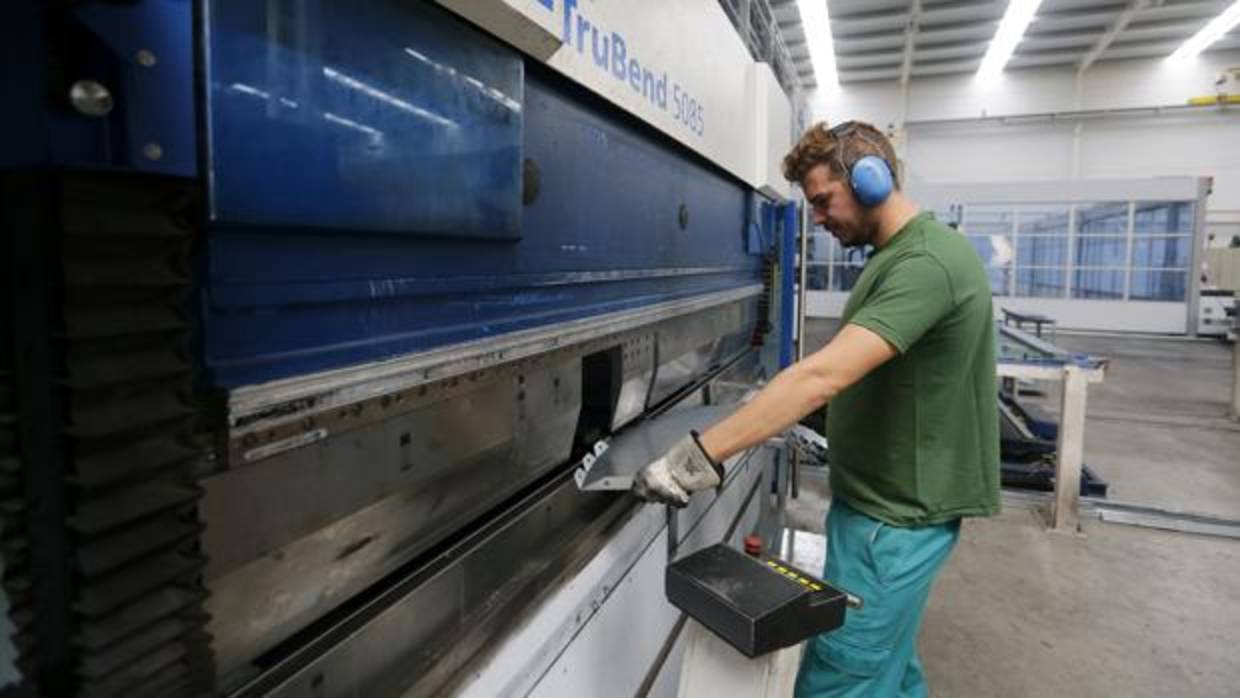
[(916, 441)]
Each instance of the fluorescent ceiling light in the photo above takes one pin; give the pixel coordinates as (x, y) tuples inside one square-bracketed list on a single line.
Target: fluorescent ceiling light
[(1215, 30), (1011, 30), (817, 27)]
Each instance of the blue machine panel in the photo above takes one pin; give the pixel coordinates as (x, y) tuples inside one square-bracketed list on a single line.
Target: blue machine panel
[(141, 52), (604, 233), (362, 116)]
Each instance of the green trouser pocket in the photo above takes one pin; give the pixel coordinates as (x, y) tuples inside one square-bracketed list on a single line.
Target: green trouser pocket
[(862, 662), (832, 668)]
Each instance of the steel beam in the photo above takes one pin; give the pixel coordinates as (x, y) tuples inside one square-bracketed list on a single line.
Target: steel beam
[(1100, 46), (910, 41)]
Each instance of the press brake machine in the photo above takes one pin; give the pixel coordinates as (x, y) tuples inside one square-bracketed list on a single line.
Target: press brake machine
[(313, 307)]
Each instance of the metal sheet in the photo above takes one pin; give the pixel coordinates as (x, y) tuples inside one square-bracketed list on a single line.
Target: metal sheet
[(637, 376), (614, 467), (415, 645), (295, 536), (688, 349), (595, 664), (253, 511), (491, 617), (261, 604), (348, 399), (424, 632), (258, 407), (376, 134), (521, 659)]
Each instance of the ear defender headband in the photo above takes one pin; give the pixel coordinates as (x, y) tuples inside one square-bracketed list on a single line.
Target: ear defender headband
[(870, 176)]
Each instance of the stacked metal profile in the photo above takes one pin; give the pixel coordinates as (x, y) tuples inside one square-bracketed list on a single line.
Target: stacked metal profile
[(130, 423)]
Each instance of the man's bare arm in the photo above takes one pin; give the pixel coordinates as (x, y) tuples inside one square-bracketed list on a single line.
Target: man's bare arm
[(798, 390)]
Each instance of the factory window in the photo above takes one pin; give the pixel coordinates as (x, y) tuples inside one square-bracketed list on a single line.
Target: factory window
[(844, 276), (1098, 283), (1108, 251), (989, 219), (1102, 219), (991, 230), (1155, 285), (1044, 220), (818, 248), (846, 265), (1000, 279), (816, 278), (1161, 252), (1042, 250), (1100, 252), (829, 266), (1163, 218), (1105, 250), (817, 260), (1040, 283), (995, 250), (950, 215)]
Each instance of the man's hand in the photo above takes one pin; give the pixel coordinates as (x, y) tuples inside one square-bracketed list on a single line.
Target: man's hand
[(679, 473)]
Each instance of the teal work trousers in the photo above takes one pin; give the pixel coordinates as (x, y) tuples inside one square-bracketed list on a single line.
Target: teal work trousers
[(874, 654)]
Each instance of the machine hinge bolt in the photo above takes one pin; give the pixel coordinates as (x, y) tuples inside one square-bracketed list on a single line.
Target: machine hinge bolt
[(146, 59), (152, 151), (91, 98)]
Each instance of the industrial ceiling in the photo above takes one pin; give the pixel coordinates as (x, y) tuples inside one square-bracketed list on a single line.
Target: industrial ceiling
[(903, 39)]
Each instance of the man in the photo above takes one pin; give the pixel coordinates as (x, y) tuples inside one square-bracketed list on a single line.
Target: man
[(913, 422)]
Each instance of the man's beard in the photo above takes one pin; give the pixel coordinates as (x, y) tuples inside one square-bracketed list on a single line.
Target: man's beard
[(860, 236)]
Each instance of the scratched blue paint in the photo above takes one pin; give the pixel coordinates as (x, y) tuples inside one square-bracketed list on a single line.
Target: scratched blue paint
[(378, 116), (284, 298)]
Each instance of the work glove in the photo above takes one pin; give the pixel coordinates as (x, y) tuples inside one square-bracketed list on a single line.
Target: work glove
[(679, 473)]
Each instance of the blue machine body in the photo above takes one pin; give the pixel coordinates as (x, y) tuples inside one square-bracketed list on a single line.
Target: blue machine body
[(364, 166), (362, 116), (287, 188), (335, 262), (141, 51)]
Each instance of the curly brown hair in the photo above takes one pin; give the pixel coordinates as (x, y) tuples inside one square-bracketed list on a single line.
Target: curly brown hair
[(838, 149)]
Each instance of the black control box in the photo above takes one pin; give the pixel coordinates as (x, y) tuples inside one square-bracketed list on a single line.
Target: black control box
[(755, 604)]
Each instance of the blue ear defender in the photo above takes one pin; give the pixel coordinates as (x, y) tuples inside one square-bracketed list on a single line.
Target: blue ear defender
[(870, 176), (871, 180)]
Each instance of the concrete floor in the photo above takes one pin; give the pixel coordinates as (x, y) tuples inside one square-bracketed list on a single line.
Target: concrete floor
[(1122, 611), (1157, 428)]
